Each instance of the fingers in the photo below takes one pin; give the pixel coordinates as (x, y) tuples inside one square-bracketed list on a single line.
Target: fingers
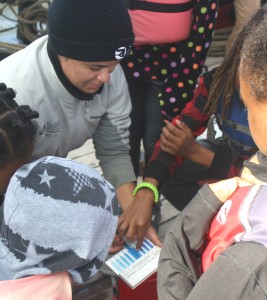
[(170, 131), (170, 138), (252, 179), (117, 244), (248, 176), (176, 140), (140, 237), (180, 124), (135, 220), (132, 231), (153, 237), (244, 182), (225, 188), (122, 226), (166, 145)]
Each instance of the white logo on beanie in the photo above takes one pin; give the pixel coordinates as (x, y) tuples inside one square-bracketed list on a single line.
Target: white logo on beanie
[(120, 53)]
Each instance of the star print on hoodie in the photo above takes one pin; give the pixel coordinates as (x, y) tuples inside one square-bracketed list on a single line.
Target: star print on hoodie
[(58, 215)]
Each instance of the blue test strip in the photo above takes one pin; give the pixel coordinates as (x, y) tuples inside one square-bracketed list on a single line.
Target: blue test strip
[(125, 260), (133, 252), (120, 263), (149, 244), (142, 250), (129, 257), (117, 267), (145, 247)]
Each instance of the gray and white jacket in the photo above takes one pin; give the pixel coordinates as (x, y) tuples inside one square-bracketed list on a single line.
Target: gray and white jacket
[(239, 272), (66, 123)]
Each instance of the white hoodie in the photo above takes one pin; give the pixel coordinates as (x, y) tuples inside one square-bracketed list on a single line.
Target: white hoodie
[(58, 215)]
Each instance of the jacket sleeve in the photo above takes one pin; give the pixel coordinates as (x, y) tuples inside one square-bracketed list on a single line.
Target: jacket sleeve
[(226, 163), (161, 164), (111, 138), (237, 273), (193, 115), (179, 269)]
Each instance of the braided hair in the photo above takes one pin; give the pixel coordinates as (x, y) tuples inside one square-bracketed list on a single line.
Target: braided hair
[(16, 129), (224, 81), (225, 77)]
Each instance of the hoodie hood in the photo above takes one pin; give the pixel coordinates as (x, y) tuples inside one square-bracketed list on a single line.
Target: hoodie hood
[(57, 215)]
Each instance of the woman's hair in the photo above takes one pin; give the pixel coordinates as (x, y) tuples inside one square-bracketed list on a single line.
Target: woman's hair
[(225, 79), (16, 128), (253, 60)]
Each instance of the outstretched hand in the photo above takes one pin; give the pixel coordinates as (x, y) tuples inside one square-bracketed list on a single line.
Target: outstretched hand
[(135, 222), (177, 140)]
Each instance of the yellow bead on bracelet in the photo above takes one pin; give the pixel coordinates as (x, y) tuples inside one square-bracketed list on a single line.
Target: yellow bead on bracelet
[(150, 186)]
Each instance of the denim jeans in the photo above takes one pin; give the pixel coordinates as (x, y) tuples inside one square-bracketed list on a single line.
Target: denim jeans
[(146, 119)]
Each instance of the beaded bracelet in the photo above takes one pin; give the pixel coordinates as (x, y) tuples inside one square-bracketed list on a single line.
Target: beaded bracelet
[(150, 186)]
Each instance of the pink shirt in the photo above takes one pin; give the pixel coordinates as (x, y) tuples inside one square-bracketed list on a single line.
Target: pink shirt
[(42, 287)]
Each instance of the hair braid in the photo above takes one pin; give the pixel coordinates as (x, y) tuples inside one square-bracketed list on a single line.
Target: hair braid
[(225, 80), (16, 129)]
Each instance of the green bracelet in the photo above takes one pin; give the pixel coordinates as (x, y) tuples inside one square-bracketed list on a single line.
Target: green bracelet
[(149, 186)]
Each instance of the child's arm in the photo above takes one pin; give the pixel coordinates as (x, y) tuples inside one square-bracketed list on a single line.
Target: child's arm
[(179, 269), (179, 264), (235, 274), (179, 140), (163, 163)]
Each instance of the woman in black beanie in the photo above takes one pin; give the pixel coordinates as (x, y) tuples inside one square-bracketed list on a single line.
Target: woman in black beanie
[(74, 80)]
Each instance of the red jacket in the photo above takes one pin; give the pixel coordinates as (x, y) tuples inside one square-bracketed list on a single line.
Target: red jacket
[(224, 165)]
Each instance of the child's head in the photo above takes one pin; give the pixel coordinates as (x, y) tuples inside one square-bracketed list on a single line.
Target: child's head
[(253, 77), (16, 134), (58, 215)]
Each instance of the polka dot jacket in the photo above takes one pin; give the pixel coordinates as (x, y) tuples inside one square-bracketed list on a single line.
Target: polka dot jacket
[(179, 64)]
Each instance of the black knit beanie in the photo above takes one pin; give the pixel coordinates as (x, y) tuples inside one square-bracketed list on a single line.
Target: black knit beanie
[(90, 30)]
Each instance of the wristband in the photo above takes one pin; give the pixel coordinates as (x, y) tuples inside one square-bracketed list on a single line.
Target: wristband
[(150, 186)]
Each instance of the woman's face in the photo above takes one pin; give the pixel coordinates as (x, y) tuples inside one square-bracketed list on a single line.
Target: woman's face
[(87, 76), (257, 116)]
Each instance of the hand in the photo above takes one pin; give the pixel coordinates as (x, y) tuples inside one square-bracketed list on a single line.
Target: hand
[(177, 140), (225, 188), (151, 234), (136, 219), (117, 244), (247, 175)]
